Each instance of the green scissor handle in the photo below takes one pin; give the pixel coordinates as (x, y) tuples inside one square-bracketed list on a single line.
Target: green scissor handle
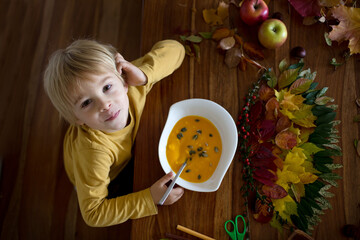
[(235, 235)]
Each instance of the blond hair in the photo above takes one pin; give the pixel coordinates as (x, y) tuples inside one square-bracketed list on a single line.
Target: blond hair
[(68, 66)]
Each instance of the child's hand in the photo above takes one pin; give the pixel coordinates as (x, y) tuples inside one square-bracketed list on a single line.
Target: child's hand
[(132, 75), (159, 188)]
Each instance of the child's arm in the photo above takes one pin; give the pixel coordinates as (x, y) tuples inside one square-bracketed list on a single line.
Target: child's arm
[(163, 59), (131, 74), (159, 188)]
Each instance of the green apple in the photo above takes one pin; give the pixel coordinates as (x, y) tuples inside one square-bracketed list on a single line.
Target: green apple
[(272, 33)]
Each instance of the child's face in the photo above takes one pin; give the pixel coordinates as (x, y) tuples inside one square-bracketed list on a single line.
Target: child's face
[(102, 102)]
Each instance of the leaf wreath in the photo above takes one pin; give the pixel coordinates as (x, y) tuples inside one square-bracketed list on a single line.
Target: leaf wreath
[(287, 142)]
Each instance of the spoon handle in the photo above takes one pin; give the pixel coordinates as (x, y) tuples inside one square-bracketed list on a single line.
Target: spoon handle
[(162, 200)]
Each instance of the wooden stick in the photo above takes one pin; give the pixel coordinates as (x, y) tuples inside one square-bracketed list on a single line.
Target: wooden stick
[(192, 232), (192, 59)]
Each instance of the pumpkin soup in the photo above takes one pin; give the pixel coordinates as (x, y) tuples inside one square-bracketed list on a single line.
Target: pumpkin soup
[(196, 140)]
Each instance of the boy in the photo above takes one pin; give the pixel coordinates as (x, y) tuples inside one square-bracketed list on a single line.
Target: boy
[(102, 96)]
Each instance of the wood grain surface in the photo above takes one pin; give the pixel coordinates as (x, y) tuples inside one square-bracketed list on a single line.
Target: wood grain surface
[(37, 200), (212, 79)]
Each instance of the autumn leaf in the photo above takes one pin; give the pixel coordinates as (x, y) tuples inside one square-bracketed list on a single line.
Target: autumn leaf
[(232, 57), (253, 50), (216, 16), (285, 207), (274, 192), (223, 10), (301, 85), (348, 28), (329, 3), (306, 7), (285, 139), (220, 33)]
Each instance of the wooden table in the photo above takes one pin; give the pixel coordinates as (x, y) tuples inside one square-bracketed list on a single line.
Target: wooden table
[(212, 79)]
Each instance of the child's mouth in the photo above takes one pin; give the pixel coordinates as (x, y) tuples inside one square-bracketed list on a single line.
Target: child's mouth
[(112, 117)]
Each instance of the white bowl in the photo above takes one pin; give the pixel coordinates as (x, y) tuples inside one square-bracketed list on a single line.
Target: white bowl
[(224, 124)]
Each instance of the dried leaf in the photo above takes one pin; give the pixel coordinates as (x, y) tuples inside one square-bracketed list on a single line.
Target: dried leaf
[(232, 57), (274, 192), (242, 64), (220, 33), (272, 109), (238, 39), (210, 17), (286, 139), (216, 16), (283, 123), (329, 3), (301, 85), (223, 10), (253, 50), (266, 92), (227, 43), (306, 7), (348, 28), (256, 64)]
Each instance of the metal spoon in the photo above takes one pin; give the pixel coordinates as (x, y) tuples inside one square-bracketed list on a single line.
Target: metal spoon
[(164, 197)]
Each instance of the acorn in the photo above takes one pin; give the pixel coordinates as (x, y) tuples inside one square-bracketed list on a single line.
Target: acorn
[(298, 52)]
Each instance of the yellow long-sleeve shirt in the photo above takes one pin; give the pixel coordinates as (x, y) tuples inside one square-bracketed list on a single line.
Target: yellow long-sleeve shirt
[(93, 158)]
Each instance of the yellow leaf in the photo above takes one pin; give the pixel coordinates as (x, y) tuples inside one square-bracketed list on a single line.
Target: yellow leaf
[(298, 190), (289, 101), (216, 16), (307, 178), (309, 167), (285, 207), (223, 10), (303, 117), (348, 28), (305, 133), (211, 18)]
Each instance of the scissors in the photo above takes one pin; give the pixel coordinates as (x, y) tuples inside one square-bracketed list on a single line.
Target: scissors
[(234, 234)]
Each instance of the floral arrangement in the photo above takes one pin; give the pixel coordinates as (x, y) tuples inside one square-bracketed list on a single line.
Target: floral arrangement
[(287, 140)]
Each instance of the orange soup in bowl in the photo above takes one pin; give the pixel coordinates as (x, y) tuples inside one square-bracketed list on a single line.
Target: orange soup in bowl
[(196, 140)]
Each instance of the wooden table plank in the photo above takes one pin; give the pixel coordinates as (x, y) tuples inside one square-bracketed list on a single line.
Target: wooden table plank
[(207, 212)]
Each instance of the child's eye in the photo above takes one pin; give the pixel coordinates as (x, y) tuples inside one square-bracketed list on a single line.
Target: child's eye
[(85, 103), (107, 87)]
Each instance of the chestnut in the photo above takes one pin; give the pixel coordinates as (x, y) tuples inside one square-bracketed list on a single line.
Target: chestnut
[(298, 52)]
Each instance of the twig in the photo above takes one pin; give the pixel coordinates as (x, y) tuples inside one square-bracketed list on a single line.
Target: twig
[(192, 60)]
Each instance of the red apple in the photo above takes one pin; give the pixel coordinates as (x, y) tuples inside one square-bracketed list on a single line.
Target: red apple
[(253, 11), (272, 33)]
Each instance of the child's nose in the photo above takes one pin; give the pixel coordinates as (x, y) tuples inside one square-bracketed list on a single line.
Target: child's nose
[(104, 106)]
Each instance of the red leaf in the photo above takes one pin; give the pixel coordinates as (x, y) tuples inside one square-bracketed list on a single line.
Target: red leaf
[(255, 111), (264, 173), (267, 130), (263, 181), (306, 7), (275, 191)]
